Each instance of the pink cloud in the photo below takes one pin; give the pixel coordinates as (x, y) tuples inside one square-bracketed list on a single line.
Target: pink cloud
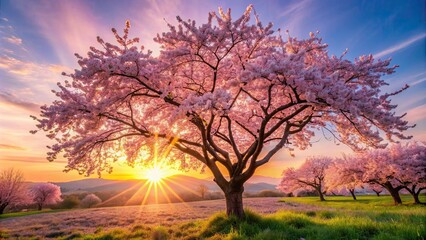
[(34, 70), (69, 26), (13, 40), (11, 100), (11, 147), (417, 114)]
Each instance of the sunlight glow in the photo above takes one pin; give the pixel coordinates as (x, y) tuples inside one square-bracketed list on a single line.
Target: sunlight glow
[(155, 174)]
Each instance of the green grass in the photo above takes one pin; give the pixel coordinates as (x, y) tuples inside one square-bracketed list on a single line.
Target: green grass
[(340, 218), (369, 202), (21, 214)]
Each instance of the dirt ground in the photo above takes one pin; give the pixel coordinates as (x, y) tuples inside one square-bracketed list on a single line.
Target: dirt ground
[(88, 220)]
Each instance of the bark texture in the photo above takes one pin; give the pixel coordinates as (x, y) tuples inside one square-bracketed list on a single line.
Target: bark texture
[(234, 201)]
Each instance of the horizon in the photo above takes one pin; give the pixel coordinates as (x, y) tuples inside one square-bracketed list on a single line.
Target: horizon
[(147, 179), (35, 50)]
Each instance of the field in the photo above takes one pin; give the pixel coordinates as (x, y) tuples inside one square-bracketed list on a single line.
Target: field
[(369, 217)]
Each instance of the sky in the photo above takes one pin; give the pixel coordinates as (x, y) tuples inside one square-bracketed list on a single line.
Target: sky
[(38, 40)]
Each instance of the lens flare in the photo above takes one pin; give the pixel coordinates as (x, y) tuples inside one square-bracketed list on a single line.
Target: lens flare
[(155, 174)]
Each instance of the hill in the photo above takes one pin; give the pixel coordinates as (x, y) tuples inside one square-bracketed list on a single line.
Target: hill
[(180, 183)]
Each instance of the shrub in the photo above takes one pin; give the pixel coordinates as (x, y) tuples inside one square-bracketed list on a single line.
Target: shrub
[(90, 200), (70, 201), (160, 233)]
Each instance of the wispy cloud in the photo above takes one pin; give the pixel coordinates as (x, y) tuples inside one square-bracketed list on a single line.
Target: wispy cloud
[(11, 147), (13, 40), (417, 114), (294, 15), (10, 99), (294, 8), (29, 159), (417, 79), (37, 71), (400, 46), (69, 26)]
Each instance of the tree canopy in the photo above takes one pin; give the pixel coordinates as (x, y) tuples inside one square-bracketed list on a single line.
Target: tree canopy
[(217, 93)]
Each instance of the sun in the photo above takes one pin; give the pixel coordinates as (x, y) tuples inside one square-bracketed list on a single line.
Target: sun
[(155, 174)]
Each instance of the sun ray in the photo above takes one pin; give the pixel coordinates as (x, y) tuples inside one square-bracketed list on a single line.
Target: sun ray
[(139, 191), (176, 195), (156, 192), (121, 193), (160, 185), (183, 186), (147, 193), (169, 148)]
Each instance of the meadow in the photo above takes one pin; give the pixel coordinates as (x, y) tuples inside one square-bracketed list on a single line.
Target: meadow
[(370, 217)]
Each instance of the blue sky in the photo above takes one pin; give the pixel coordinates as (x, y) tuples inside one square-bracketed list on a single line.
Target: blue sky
[(38, 40)]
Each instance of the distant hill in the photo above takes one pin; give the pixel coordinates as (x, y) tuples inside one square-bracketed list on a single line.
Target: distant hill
[(264, 179), (175, 188), (83, 184), (180, 183)]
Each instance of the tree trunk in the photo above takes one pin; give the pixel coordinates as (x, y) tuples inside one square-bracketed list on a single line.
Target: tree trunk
[(377, 193), (40, 206), (414, 193), (321, 195), (352, 191), (2, 208), (234, 201), (416, 198), (395, 195), (394, 192)]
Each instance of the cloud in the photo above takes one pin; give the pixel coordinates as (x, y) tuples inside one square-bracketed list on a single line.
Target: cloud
[(5, 19), (294, 15), (11, 147), (417, 79), (400, 46), (417, 114), (69, 26), (36, 71), (29, 159), (13, 40), (417, 82), (12, 100), (293, 9)]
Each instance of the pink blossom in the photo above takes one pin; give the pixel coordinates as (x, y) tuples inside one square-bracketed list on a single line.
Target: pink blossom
[(224, 89)]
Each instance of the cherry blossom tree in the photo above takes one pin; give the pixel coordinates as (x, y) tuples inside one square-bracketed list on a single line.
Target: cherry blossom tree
[(45, 193), (310, 175), (218, 94), (13, 191), (412, 167), (376, 188), (90, 200), (397, 167), (345, 173)]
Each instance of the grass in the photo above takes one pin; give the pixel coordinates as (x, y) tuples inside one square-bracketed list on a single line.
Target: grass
[(370, 217), (21, 214), (366, 202)]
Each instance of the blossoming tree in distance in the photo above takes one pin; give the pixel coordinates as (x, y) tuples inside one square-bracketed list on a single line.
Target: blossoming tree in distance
[(395, 168), (45, 194), (218, 93), (310, 175), (345, 175)]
